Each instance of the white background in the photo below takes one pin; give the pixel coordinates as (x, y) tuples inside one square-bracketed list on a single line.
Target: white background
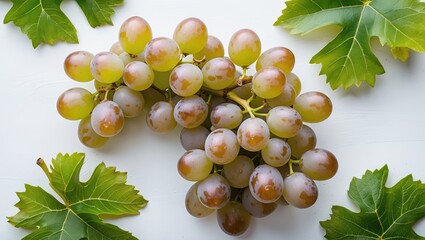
[(368, 129)]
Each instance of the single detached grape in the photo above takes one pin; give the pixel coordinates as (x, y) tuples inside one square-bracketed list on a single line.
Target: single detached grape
[(221, 146), (186, 80), (194, 138), (266, 184), (299, 190), (244, 47), (134, 34), (286, 98), (130, 101), (75, 104), (214, 191), (303, 141), (319, 164), (313, 106), (233, 219), (284, 122), (77, 66), (276, 153), (219, 73), (107, 119), (138, 76), (256, 208), (193, 205), (294, 81), (253, 134), (280, 57), (191, 111), (238, 171), (226, 115), (268, 82), (107, 67), (191, 34), (194, 165), (212, 49), (162, 54), (160, 117), (88, 136)]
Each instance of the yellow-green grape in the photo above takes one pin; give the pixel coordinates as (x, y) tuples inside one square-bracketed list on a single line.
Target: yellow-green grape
[(244, 47), (75, 104), (107, 119), (138, 76), (293, 80), (130, 101), (269, 82), (127, 58), (191, 34), (280, 57), (162, 54), (194, 165), (284, 122), (313, 106), (134, 34), (162, 79), (286, 98), (214, 48), (186, 80), (219, 73), (88, 136), (107, 67), (226, 115), (116, 48), (77, 66)]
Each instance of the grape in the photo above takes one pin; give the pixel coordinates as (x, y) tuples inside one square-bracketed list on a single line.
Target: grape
[(152, 96), (244, 47), (116, 48), (303, 141), (194, 138), (162, 80), (226, 115), (254, 207), (75, 104), (191, 34), (134, 34), (233, 219), (107, 119), (266, 184), (107, 67), (127, 58), (131, 102), (294, 81), (253, 134), (88, 136), (221, 146), (299, 190), (191, 111), (280, 57), (319, 164), (138, 76), (162, 54), (214, 102), (286, 98), (193, 205), (284, 122), (313, 106), (212, 49), (268, 82), (238, 171), (186, 80), (77, 66), (160, 117), (214, 191), (276, 153), (219, 73), (194, 165)]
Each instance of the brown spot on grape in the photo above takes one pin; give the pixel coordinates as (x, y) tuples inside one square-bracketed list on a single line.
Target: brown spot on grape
[(219, 150), (253, 139), (268, 191)]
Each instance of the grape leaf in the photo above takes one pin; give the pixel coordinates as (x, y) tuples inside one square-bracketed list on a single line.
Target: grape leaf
[(105, 193), (385, 213), (44, 22), (348, 59)]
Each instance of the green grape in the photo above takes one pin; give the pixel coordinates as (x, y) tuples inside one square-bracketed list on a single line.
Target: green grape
[(193, 205), (233, 219), (280, 57), (134, 34), (268, 82), (244, 47), (88, 136), (107, 67), (160, 117), (226, 115), (186, 80), (284, 122), (194, 165), (152, 96), (194, 138), (162, 79), (130, 101), (286, 98), (299, 190), (116, 48), (162, 54), (303, 141), (219, 73), (138, 76), (214, 191), (107, 119), (319, 164), (313, 106), (213, 49), (191, 34), (75, 104), (77, 66), (256, 208), (221, 146), (266, 184), (191, 111), (277, 152), (253, 134), (238, 171), (294, 81)]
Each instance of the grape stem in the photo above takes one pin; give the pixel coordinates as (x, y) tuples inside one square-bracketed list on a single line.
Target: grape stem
[(244, 103), (40, 162), (291, 162)]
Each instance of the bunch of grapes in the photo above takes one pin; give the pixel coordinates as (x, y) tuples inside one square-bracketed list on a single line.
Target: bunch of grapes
[(247, 147)]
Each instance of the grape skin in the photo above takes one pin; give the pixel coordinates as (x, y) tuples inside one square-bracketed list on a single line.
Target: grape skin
[(88, 136), (268, 82), (193, 205), (107, 119), (191, 111), (138, 76), (194, 165), (266, 184), (303, 141), (134, 34), (226, 115), (319, 164), (313, 106), (162, 54), (212, 49), (214, 191), (107, 67), (276, 153), (284, 122), (77, 66), (253, 134), (194, 138), (244, 47), (219, 73), (131, 102), (280, 57), (221, 146), (299, 190), (238, 171), (233, 219), (191, 34), (160, 117), (186, 80), (75, 104), (256, 208)]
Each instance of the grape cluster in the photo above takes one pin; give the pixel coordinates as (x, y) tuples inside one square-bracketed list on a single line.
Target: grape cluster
[(247, 147)]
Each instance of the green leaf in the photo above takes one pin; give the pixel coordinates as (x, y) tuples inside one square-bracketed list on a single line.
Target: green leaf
[(105, 193), (348, 59), (99, 12), (385, 213)]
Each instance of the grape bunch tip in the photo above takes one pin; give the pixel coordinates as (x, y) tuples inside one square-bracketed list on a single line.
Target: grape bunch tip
[(248, 147)]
